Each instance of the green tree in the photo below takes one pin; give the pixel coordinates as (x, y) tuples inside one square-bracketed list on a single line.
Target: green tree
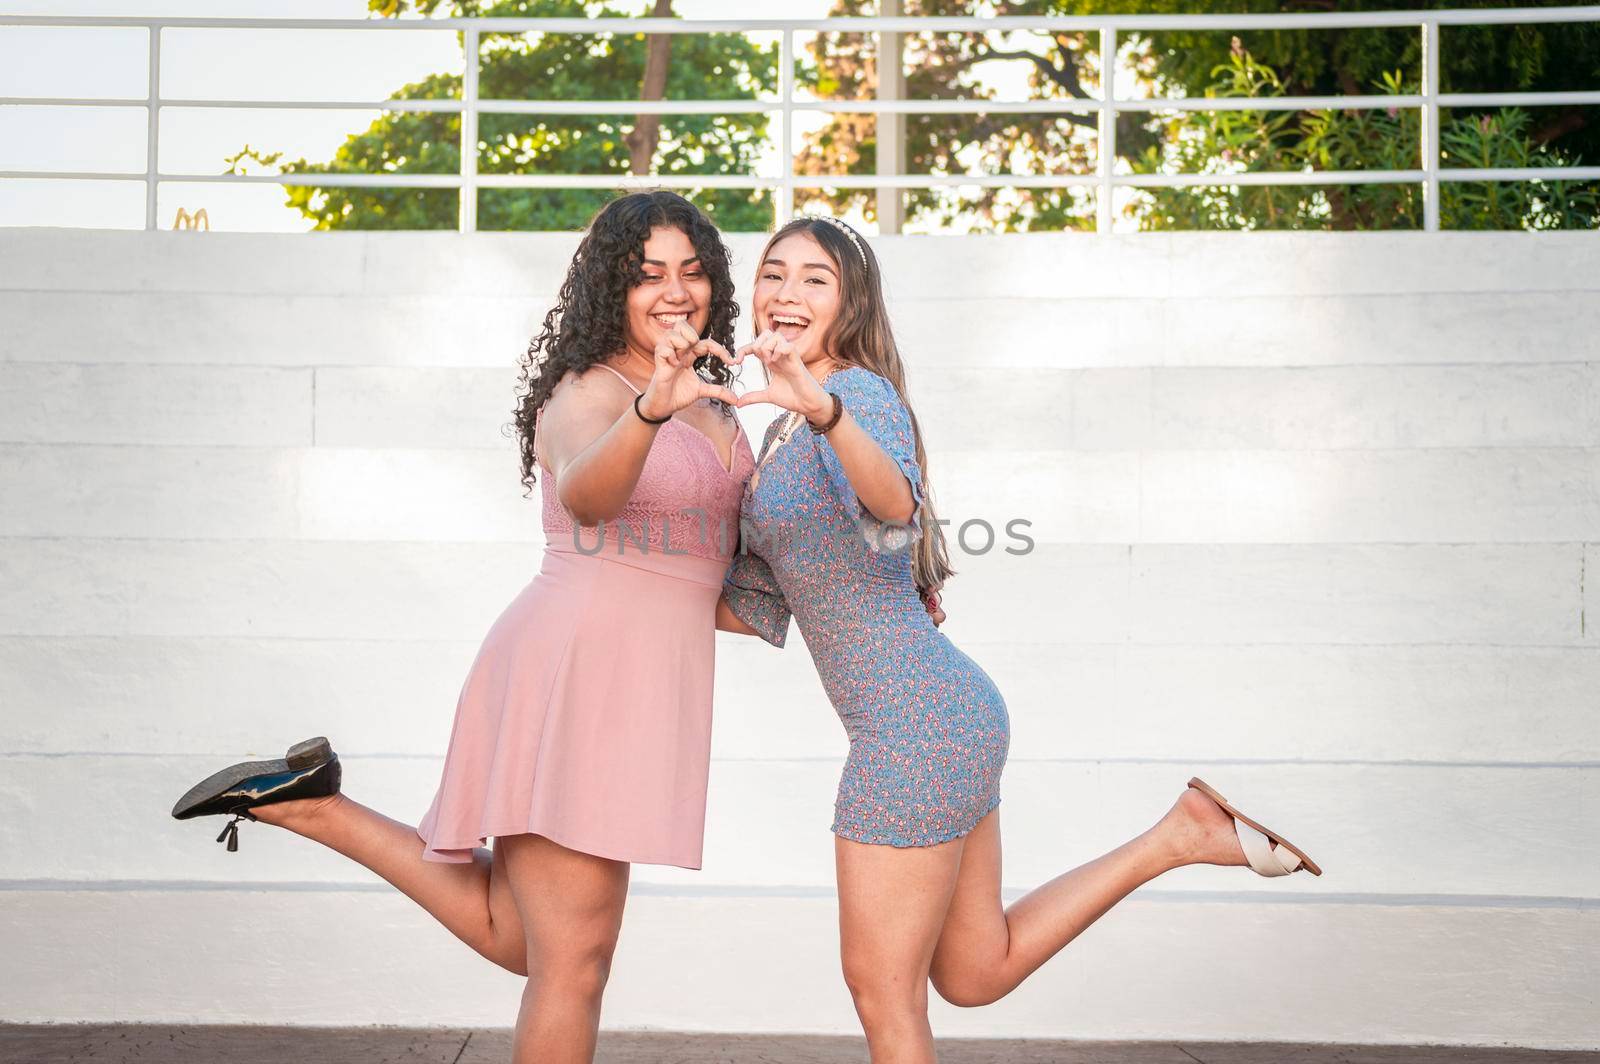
[(1226, 141), (1193, 63), (609, 64)]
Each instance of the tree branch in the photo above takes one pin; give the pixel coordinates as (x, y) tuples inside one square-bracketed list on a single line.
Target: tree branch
[(646, 132), (1569, 120), (1066, 78)]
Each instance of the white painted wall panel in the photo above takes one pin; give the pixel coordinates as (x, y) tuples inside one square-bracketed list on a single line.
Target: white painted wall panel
[(1523, 595), (154, 492), (1507, 495), (334, 330), (265, 588), (1332, 408), (1362, 972), (1066, 497), (44, 260), (97, 402), (209, 695), (1527, 594), (1268, 409), (1040, 265), (1437, 496), (470, 331), (451, 496), (1374, 828), (1433, 329), (1516, 594), (219, 696), (416, 408), (1306, 408)]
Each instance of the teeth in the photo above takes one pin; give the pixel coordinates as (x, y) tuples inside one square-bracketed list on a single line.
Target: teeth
[(789, 321)]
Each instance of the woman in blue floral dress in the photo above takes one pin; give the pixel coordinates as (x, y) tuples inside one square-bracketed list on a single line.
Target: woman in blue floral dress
[(838, 532)]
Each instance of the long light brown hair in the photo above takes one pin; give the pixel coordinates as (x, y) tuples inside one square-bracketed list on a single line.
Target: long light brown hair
[(861, 336)]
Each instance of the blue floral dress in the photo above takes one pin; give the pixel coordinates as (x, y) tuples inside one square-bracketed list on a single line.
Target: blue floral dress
[(928, 730)]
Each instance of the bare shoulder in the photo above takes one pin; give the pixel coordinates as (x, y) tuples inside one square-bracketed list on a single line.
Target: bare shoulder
[(588, 390), (584, 403)]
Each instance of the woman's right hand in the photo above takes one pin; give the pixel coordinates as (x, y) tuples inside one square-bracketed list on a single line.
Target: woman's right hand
[(675, 385)]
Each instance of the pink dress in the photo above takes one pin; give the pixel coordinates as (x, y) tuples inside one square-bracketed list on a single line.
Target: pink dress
[(586, 717)]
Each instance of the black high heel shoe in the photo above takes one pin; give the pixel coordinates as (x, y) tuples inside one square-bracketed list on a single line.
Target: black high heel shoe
[(308, 770)]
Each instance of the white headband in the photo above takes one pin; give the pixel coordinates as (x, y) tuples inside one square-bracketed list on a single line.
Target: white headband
[(849, 233)]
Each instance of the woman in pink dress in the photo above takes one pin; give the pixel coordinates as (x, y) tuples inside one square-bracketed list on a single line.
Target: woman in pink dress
[(582, 735)]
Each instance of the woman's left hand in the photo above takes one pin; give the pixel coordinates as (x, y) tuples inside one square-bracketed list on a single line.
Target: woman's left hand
[(789, 383)]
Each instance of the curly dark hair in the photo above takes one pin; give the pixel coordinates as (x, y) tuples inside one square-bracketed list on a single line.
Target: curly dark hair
[(586, 326)]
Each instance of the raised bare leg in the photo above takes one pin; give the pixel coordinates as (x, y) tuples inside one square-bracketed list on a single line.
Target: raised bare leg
[(986, 950), (571, 905), (473, 901), (892, 905)]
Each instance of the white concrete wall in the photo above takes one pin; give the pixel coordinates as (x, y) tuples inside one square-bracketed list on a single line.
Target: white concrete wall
[(1314, 516)]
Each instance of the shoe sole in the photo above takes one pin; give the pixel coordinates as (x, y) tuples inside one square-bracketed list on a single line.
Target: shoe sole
[(301, 755), (1210, 792)]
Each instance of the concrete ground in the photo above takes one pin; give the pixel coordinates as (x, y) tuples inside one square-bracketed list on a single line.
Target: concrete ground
[(131, 1043)]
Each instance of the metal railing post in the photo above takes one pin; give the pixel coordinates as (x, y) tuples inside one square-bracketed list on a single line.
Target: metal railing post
[(891, 126), (152, 164), (469, 132), (785, 205), (1106, 155), (1430, 125)]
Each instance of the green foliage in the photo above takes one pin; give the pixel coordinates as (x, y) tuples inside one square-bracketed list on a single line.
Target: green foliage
[(1195, 63), (1502, 140), (599, 66), (1240, 141)]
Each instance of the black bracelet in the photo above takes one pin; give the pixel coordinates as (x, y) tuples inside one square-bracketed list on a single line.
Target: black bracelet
[(648, 420), (838, 412)]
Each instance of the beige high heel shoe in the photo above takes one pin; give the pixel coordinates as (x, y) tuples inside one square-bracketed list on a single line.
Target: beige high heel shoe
[(1269, 853)]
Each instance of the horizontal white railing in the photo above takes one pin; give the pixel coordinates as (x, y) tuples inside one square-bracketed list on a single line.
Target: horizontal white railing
[(1429, 174)]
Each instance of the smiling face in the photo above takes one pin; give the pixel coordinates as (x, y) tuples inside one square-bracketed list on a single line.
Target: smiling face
[(675, 287), (797, 293)]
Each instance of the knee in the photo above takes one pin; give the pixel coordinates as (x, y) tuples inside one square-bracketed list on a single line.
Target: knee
[(577, 970), (964, 990), (882, 996)]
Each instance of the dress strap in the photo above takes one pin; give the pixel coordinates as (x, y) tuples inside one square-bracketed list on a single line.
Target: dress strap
[(620, 377)]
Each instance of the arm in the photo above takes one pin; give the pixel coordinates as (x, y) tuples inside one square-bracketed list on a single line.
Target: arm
[(752, 601), (728, 621), (597, 445), (876, 477)]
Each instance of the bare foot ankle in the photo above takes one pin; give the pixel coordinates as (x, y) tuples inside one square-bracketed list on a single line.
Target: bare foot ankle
[(297, 815), (1199, 832)]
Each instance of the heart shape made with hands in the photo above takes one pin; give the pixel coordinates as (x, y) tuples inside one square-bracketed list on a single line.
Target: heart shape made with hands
[(789, 384)]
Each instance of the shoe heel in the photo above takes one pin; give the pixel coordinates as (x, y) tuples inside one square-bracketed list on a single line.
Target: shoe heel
[(308, 754)]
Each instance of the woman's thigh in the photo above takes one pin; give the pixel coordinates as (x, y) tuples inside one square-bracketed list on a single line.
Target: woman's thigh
[(892, 905), (975, 936), (571, 903)]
